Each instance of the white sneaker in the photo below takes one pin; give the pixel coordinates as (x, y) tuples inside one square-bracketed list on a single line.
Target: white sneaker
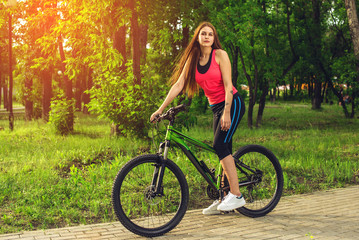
[(212, 210), (231, 202)]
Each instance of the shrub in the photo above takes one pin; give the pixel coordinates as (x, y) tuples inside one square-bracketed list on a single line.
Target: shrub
[(117, 97), (61, 115)]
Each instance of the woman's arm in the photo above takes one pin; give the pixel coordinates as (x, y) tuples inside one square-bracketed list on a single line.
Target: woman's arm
[(174, 91), (225, 66)]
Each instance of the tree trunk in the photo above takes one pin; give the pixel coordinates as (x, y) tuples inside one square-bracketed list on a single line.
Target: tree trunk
[(350, 6), (264, 84), (0, 82), (88, 83), (235, 72), (143, 42), (5, 94), (310, 89), (250, 110), (67, 82), (336, 93), (67, 87), (314, 40), (324, 93), (273, 95), (295, 57), (29, 105), (11, 114), (46, 93), (316, 44), (291, 88), (353, 21), (299, 87), (136, 50), (353, 109), (78, 93), (317, 97), (251, 91), (0, 89), (185, 37), (262, 103), (119, 43), (80, 88)]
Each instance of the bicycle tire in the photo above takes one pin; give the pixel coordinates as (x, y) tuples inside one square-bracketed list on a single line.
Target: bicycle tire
[(143, 215), (263, 197)]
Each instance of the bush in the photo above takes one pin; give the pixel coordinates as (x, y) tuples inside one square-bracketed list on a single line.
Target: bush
[(61, 115), (117, 97)]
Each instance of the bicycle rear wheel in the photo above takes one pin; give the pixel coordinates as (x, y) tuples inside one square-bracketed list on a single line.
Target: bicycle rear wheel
[(136, 203), (258, 165)]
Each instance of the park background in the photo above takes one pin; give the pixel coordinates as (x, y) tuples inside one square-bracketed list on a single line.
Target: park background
[(79, 80)]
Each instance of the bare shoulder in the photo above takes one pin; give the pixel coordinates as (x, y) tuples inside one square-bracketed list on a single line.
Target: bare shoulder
[(221, 56)]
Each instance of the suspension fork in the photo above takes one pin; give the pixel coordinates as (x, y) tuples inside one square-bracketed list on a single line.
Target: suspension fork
[(160, 168)]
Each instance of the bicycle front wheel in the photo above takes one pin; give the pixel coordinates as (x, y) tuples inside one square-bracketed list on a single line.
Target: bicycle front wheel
[(137, 205), (259, 166)]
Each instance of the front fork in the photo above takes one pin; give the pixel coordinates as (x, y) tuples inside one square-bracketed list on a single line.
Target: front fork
[(159, 171)]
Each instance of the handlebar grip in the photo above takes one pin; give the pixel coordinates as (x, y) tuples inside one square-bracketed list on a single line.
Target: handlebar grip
[(157, 117), (170, 113)]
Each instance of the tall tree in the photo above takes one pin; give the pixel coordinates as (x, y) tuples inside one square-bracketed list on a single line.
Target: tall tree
[(135, 36), (3, 64), (11, 4), (29, 51), (315, 38), (351, 9), (2, 51), (251, 30), (352, 14), (40, 17), (119, 36), (67, 83)]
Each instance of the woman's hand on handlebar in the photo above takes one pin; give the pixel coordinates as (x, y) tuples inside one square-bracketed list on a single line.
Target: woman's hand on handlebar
[(155, 115)]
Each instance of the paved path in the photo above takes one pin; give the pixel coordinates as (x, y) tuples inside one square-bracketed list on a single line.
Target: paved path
[(325, 215)]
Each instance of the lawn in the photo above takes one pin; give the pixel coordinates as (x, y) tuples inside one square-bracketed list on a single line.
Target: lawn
[(49, 181)]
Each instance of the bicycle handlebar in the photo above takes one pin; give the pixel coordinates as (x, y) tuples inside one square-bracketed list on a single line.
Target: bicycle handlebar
[(171, 113)]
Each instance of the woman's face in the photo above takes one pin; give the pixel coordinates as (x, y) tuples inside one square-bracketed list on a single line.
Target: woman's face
[(206, 37)]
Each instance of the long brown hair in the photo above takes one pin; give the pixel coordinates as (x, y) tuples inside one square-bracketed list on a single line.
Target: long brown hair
[(191, 56)]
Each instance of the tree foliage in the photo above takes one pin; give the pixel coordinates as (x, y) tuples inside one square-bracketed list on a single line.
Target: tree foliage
[(124, 51)]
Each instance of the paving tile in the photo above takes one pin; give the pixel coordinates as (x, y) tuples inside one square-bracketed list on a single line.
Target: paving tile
[(10, 236), (328, 215)]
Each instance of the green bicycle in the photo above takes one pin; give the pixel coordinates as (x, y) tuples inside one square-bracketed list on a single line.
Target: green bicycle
[(150, 192)]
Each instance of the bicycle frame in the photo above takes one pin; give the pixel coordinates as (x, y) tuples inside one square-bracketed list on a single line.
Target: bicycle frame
[(180, 140)]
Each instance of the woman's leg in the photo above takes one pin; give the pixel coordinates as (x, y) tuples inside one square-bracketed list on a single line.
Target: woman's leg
[(222, 143), (231, 172)]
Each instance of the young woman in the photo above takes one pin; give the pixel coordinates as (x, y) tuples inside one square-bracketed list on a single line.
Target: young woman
[(205, 64)]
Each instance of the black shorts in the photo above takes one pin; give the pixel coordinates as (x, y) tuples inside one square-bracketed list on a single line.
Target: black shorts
[(222, 141)]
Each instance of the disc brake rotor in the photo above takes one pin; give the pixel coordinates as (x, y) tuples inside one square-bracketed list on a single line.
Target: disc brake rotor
[(151, 197)]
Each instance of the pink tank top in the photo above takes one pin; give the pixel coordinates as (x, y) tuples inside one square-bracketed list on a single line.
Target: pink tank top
[(212, 82)]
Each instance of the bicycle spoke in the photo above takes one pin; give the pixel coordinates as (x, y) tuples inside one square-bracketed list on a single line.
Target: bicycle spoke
[(137, 203), (258, 168)]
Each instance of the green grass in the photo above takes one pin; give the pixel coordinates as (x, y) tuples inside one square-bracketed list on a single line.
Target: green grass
[(51, 181)]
